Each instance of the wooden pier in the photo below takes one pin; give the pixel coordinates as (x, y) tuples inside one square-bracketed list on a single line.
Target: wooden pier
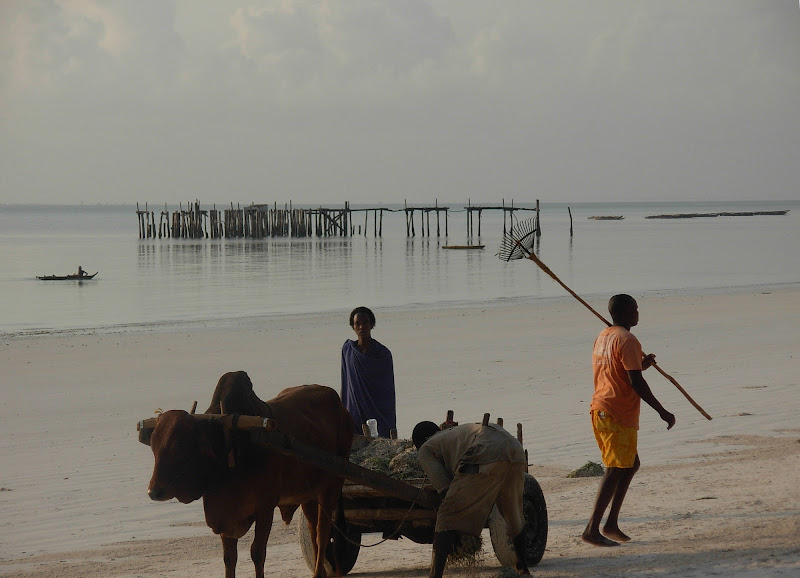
[(258, 221), (508, 216), (425, 219)]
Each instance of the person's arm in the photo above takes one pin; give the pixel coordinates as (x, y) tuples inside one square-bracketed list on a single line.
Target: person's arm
[(433, 466), (343, 387), (641, 387)]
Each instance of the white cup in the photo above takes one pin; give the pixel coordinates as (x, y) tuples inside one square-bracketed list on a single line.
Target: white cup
[(373, 427)]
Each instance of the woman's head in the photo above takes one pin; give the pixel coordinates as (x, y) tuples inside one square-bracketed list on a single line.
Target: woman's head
[(364, 314)]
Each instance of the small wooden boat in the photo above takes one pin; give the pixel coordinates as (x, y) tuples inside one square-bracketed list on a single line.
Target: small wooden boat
[(607, 217), (463, 246), (71, 277)]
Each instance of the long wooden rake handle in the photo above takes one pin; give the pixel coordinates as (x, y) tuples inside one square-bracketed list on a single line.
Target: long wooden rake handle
[(547, 270), (683, 391)]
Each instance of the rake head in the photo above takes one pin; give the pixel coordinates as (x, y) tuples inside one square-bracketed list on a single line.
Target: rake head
[(518, 242)]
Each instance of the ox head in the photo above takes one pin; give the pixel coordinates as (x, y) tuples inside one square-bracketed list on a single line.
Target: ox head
[(189, 457)]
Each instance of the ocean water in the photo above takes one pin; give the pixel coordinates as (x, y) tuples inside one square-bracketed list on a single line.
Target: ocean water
[(163, 282)]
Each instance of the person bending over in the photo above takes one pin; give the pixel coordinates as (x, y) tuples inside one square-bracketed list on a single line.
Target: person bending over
[(474, 467)]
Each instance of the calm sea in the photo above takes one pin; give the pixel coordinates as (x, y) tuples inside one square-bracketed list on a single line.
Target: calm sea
[(143, 282)]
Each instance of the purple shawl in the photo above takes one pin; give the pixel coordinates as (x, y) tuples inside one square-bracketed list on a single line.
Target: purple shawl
[(368, 386)]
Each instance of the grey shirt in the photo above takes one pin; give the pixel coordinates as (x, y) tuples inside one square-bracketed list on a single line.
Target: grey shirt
[(469, 443)]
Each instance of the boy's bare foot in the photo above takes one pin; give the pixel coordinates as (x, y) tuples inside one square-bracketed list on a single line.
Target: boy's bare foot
[(597, 539), (616, 534)]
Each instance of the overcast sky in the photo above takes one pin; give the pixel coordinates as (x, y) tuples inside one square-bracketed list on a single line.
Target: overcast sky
[(379, 101)]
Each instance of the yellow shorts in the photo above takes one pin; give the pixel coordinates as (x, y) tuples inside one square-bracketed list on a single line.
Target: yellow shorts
[(617, 443)]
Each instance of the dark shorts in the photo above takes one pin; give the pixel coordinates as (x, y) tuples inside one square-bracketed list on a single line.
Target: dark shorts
[(470, 498)]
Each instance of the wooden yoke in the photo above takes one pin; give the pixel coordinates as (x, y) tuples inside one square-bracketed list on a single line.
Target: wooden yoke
[(228, 421)]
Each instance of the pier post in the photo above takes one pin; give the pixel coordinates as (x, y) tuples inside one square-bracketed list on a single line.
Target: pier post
[(570, 221)]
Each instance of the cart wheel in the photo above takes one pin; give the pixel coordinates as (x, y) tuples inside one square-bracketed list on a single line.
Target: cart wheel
[(535, 510), (345, 548)]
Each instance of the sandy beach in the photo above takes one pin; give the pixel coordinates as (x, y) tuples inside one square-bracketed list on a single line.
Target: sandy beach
[(715, 497)]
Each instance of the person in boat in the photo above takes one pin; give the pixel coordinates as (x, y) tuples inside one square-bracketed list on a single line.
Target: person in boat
[(81, 272), (368, 376), (619, 387), (474, 467)]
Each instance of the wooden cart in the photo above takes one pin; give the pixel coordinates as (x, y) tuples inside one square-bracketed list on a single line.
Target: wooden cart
[(373, 502)]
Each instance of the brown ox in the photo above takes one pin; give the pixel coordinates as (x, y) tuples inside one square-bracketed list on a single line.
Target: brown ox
[(192, 461)]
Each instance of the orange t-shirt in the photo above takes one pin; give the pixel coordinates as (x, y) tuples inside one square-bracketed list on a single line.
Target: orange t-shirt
[(616, 350)]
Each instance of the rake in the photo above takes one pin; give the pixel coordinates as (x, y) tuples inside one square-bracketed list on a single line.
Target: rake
[(518, 244)]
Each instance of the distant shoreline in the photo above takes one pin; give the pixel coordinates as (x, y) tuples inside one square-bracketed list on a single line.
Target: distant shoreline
[(212, 323), (441, 203)]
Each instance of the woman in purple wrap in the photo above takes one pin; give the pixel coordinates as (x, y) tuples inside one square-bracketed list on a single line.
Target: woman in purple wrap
[(368, 376)]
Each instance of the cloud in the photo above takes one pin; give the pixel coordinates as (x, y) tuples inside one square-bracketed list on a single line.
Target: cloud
[(429, 96), (99, 22), (88, 51)]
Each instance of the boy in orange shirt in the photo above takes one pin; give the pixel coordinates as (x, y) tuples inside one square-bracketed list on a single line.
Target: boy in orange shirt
[(619, 387)]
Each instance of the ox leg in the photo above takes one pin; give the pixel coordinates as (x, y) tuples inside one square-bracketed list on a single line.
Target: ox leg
[(323, 538), (312, 513), (258, 550), (229, 555), (328, 504)]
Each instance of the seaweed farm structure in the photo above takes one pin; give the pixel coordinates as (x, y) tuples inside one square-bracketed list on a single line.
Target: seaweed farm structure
[(264, 220), (724, 214)]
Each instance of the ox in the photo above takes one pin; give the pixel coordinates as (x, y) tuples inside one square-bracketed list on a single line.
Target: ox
[(192, 461)]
